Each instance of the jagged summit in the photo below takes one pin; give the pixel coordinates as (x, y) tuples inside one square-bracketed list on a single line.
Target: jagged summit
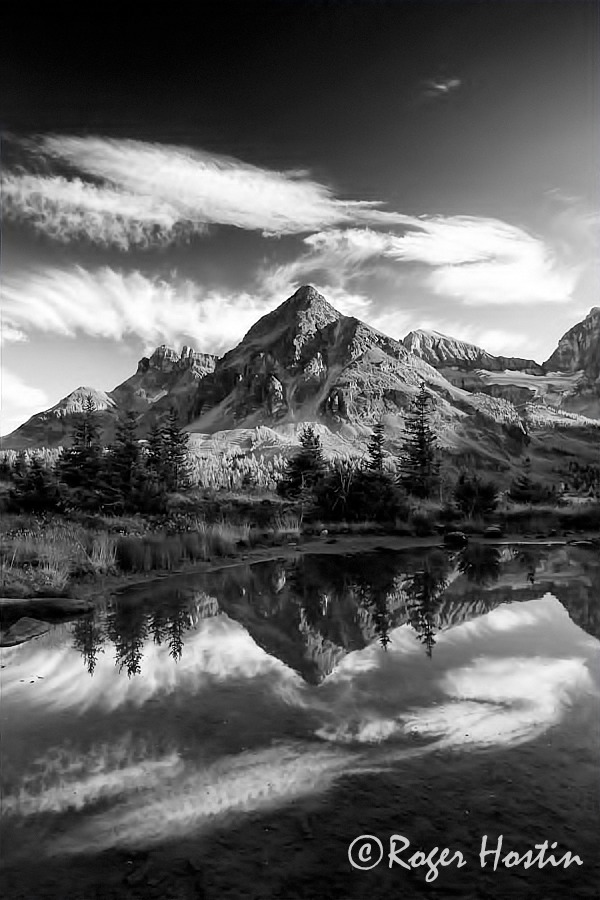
[(301, 315), (579, 348), (441, 350), (166, 359), (437, 348)]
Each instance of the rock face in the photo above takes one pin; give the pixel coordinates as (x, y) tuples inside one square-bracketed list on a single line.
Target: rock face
[(164, 379), (306, 361), (579, 348), (439, 350)]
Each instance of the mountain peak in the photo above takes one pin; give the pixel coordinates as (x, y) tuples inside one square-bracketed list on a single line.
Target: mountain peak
[(307, 296), (579, 348), (300, 316), (165, 359)]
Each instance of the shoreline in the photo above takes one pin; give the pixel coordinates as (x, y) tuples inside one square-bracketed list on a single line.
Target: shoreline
[(106, 586)]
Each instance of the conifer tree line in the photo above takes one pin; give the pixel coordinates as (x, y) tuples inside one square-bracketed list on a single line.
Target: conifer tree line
[(347, 490), (127, 476), (351, 491)]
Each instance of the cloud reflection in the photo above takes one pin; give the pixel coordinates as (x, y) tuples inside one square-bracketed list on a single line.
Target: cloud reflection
[(220, 649), (479, 693)]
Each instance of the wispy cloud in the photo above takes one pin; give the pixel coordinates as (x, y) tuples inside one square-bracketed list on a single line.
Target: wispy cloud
[(111, 304), (140, 193), (67, 210), (440, 87), (478, 261)]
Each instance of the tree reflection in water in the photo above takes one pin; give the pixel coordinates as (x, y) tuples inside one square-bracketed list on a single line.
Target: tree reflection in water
[(424, 589), (480, 563), (310, 612), (89, 637)]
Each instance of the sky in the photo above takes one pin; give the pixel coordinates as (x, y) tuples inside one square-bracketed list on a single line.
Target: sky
[(171, 177)]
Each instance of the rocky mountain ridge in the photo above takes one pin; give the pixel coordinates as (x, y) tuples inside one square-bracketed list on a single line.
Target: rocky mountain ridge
[(568, 381), (441, 350), (305, 361)]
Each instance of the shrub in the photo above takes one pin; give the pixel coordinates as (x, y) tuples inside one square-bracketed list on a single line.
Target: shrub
[(305, 469), (474, 496), (351, 493), (422, 523)]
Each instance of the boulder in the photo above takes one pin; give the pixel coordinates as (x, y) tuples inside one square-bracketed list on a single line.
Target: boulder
[(24, 629)]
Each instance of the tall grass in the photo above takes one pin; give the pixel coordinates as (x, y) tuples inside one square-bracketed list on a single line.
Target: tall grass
[(167, 552), (49, 557)]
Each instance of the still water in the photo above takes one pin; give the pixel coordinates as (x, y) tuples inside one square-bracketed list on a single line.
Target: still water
[(230, 735)]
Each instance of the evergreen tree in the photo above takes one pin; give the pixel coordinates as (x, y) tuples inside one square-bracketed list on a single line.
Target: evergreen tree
[(305, 469), (122, 461), (20, 465), (475, 497), (34, 488), (418, 464), (5, 468), (155, 452), (79, 467), (175, 453), (375, 448), (524, 489)]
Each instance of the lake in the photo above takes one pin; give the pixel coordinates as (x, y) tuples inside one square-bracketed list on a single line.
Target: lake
[(230, 735)]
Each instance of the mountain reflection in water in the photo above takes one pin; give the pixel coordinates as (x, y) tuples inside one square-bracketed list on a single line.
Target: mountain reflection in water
[(329, 605), (188, 704)]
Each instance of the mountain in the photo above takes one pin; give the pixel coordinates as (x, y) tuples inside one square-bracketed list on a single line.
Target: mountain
[(567, 383), (306, 362), (579, 348), (440, 350), (164, 379)]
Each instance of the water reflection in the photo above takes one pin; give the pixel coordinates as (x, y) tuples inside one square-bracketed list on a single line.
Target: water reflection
[(311, 612), (480, 563), (258, 686)]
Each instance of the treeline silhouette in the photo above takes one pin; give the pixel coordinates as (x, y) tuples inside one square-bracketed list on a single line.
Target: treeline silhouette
[(129, 475)]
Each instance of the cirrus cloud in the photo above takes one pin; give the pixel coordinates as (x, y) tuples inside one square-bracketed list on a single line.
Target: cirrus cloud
[(145, 193), (478, 261), (107, 303)]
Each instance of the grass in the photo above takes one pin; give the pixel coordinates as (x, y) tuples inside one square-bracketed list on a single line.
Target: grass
[(47, 558), (51, 557)]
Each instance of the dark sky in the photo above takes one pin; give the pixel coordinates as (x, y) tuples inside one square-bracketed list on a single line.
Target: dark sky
[(485, 111)]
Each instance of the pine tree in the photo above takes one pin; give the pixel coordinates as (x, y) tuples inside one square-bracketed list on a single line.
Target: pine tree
[(34, 488), (175, 453), (525, 490), (155, 452), (305, 469), (5, 468), (123, 459), (419, 468), (375, 448), (79, 467), (475, 497)]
